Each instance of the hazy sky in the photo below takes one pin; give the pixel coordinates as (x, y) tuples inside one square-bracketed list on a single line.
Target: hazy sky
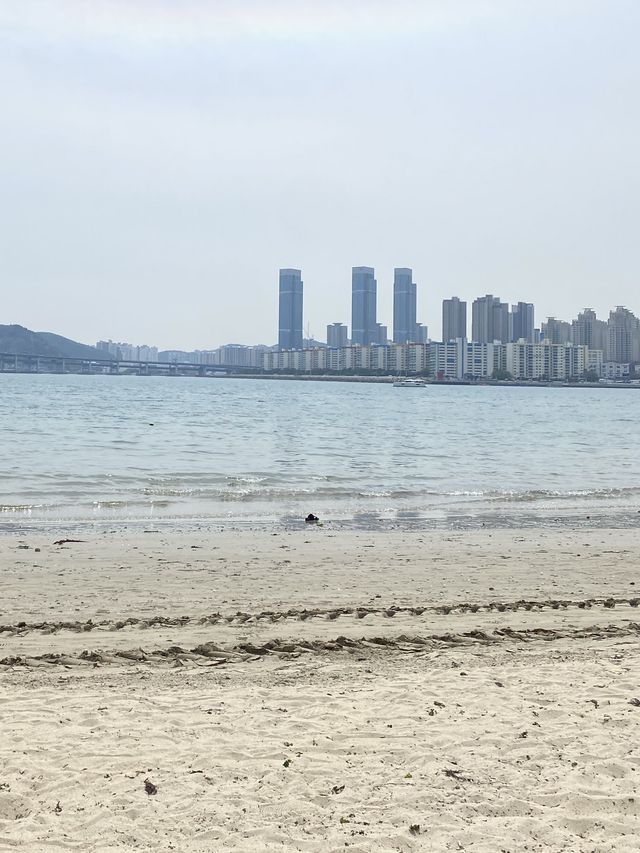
[(160, 160)]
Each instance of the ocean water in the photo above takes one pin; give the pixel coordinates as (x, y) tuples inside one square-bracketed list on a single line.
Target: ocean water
[(190, 453)]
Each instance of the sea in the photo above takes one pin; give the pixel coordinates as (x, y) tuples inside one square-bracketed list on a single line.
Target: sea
[(178, 453)]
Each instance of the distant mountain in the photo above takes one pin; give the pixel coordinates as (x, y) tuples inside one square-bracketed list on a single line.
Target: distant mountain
[(17, 339)]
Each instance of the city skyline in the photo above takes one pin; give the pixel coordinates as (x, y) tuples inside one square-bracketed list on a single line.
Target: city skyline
[(155, 179), (617, 337), (492, 320)]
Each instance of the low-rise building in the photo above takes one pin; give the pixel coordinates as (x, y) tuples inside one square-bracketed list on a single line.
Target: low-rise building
[(615, 370), (546, 360)]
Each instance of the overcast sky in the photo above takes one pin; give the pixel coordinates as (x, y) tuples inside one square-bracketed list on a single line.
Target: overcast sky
[(160, 160)]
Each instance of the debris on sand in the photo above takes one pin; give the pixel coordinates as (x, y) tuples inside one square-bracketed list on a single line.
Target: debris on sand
[(66, 541), (150, 788)]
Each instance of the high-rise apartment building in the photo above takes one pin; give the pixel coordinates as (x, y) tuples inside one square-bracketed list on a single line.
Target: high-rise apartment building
[(490, 320), (623, 336), (454, 319), (290, 313), (522, 322), (336, 335), (364, 323), (404, 306), (422, 333), (556, 331), (588, 331)]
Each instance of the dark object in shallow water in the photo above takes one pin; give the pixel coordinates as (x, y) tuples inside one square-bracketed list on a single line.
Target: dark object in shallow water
[(311, 518)]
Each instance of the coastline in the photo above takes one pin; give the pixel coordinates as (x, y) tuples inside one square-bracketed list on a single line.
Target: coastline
[(196, 371), (300, 690)]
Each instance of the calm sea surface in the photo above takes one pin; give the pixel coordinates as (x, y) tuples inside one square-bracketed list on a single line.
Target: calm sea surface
[(186, 453)]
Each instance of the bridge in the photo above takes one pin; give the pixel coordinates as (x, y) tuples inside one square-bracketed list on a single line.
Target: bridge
[(19, 363)]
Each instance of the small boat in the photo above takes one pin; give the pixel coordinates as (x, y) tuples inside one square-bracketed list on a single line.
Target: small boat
[(410, 382)]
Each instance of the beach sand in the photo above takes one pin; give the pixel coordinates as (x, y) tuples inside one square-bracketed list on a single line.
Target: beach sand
[(321, 690)]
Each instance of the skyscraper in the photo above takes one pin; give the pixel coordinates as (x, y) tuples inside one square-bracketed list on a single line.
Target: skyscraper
[(290, 313), (624, 336), (454, 319), (404, 306), (490, 320), (522, 322), (587, 330), (364, 324), (556, 331)]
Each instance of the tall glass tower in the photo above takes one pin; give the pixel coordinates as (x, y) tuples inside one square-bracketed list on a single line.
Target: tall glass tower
[(290, 314), (364, 323), (404, 306)]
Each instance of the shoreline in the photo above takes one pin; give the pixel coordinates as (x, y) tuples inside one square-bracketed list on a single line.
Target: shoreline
[(211, 372), (411, 522)]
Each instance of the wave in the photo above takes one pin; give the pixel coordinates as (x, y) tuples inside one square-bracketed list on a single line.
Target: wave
[(532, 495), (338, 497)]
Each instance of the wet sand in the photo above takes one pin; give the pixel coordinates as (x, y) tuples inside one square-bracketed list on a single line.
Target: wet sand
[(321, 690)]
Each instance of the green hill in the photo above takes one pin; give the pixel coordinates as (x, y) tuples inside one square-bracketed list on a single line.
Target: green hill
[(17, 339)]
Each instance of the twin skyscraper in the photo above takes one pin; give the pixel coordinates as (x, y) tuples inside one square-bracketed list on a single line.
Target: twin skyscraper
[(365, 328)]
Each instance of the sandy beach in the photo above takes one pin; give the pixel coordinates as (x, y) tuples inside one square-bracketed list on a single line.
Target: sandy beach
[(321, 690)]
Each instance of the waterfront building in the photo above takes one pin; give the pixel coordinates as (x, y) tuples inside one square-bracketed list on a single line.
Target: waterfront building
[(556, 331), (397, 359), (360, 358), (364, 323), (379, 358), (451, 360), (623, 342), (482, 360), (206, 356), (300, 361), (446, 360), (290, 309), (454, 319), (595, 360), (490, 320), (522, 322), (548, 361), (615, 370), (462, 359), (336, 335), (404, 306), (336, 359), (416, 358), (128, 352), (239, 355)]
